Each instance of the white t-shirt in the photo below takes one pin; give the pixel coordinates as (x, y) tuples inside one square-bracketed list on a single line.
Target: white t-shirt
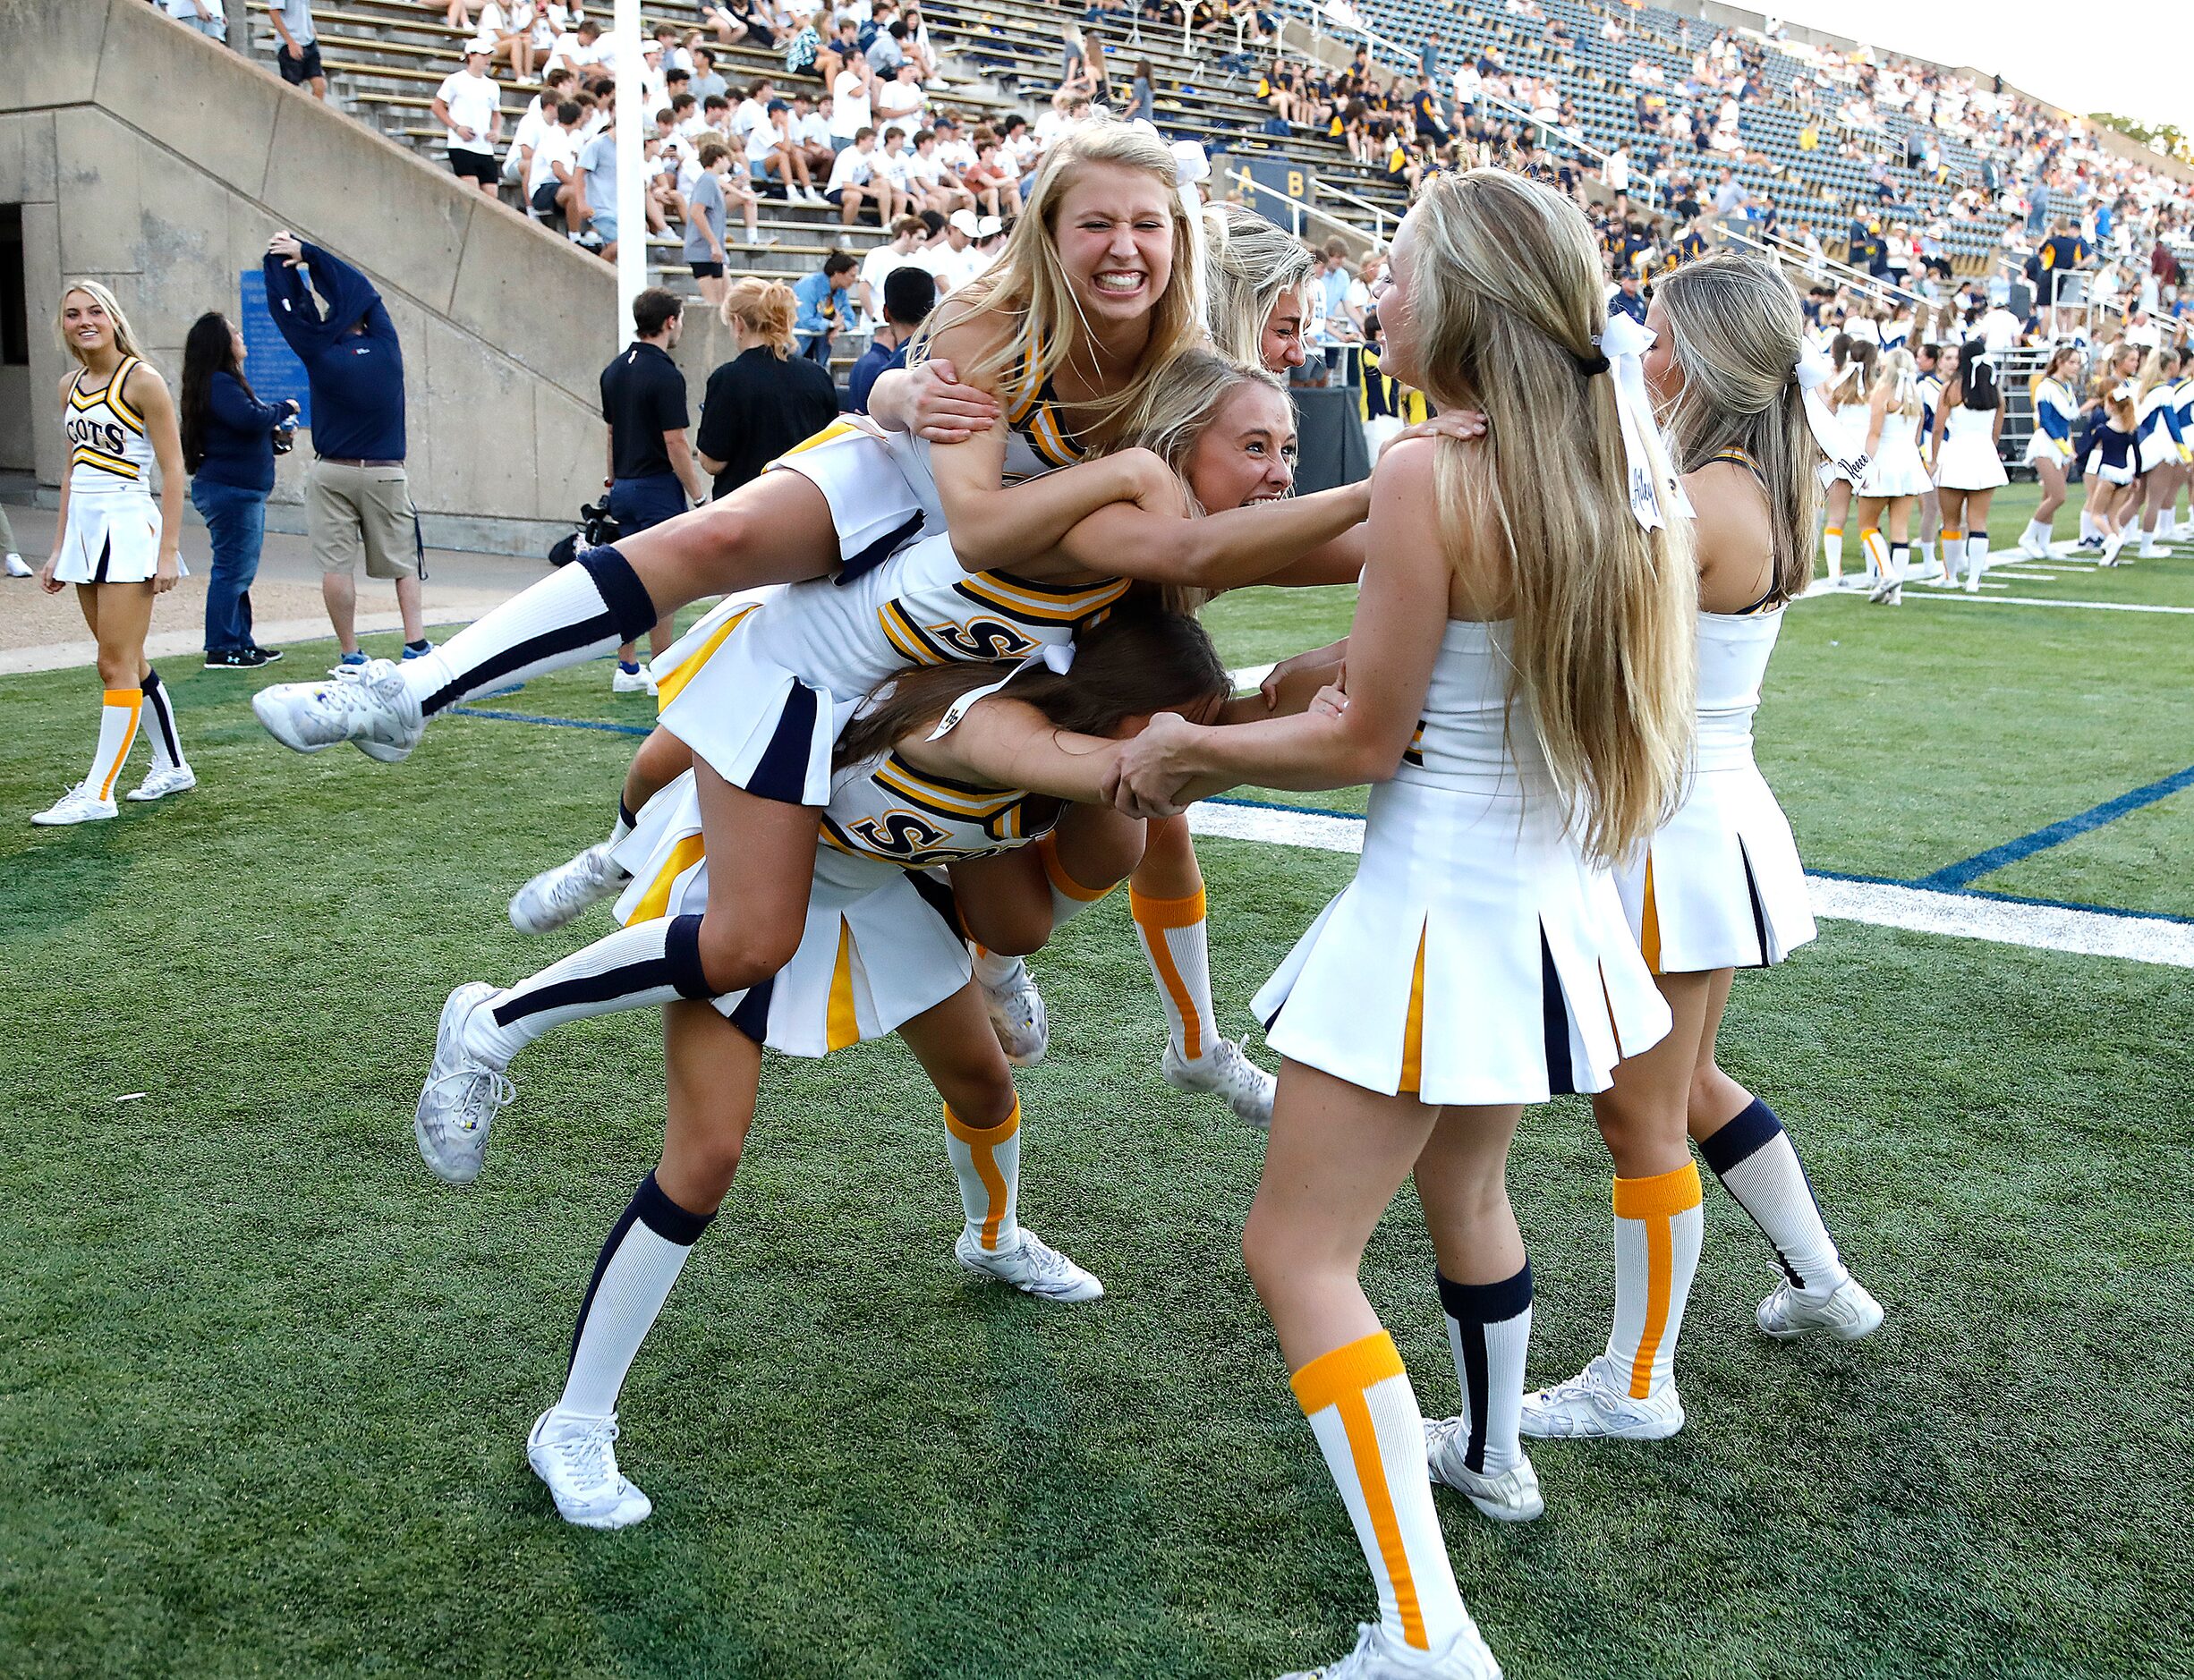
[(557, 146), (472, 101), (900, 102), (749, 115), (925, 172), (953, 268), (853, 168), (1999, 329), (762, 139), (957, 156), (892, 165), (811, 130), (878, 266), (849, 106)]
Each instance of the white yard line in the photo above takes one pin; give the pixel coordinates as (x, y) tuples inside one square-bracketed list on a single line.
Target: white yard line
[(1882, 904)]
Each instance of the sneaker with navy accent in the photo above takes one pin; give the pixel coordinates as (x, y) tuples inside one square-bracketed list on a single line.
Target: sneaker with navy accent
[(1377, 1657), (417, 649), (367, 703), (1597, 1403), (1506, 1495), (632, 679), (576, 1457), (1848, 1312), (1032, 1266), (461, 1096)]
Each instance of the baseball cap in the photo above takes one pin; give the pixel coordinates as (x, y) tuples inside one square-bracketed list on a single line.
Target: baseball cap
[(778, 105), (988, 226), (480, 44), (964, 220)]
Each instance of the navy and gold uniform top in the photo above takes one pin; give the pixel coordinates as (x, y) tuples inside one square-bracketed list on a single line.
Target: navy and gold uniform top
[(885, 809)]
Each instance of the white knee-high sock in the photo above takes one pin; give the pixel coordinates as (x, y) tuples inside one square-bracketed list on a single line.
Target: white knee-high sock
[(1900, 562), (1976, 554), (987, 1162), (648, 962), (1489, 1332), (2088, 530), (119, 710), (1172, 932), (2037, 534), (1832, 545), (646, 1250), (1365, 1414), (1069, 897), (579, 612), (166, 741), (1756, 1163), (1658, 1227)]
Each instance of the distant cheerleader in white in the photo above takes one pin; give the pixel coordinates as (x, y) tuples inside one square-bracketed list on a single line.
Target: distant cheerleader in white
[(1894, 478), (2163, 446), (1968, 469), (2056, 394), (115, 544)]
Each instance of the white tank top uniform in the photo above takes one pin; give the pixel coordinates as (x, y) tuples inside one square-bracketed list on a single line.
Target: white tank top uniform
[(1721, 885), (1478, 957), (2056, 416), (114, 530), (882, 941), (761, 691), (1852, 418), (1969, 461), (1896, 469), (2158, 428)]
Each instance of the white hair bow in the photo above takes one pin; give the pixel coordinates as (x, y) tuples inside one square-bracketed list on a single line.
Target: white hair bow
[(1191, 164), (1654, 494), (1057, 658), (1813, 372)]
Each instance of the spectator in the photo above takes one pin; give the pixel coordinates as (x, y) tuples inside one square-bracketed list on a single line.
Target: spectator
[(552, 179), (228, 449), (468, 105), (540, 113), (358, 500), (651, 470), (1630, 298), (595, 195), (298, 58), (1143, 93), (854, 179), (763, 400), (706, 82), (819, 297), (953, 260), (909, 295), (704, 250), (205, 16), (904, 251)]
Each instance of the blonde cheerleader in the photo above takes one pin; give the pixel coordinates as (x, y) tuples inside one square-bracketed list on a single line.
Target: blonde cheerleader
[(1968, 469), (944, 764), (2049, 451), (1850, 366), (1893, 478), (114, 544), (1719, 886), (2163, 449), (1519, 688)]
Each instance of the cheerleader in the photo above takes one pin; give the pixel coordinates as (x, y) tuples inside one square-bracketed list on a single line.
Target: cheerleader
[(947, 763), (1850, 363), (2114, 468), (1720, 886), (1519, 689), (114, 544), (2163, 449), (1935, 365), (2049, 451), (1968, 469), (1892, 476), (1085, 307)]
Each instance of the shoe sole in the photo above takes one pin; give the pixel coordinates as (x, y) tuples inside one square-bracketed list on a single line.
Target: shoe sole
[(265, 710), (600, 1524), (1654, 1429), (1493, 1508), (43, 821), (444, 1027), (990, 1277), (381, 751), (1834, 1332), (139, 796)]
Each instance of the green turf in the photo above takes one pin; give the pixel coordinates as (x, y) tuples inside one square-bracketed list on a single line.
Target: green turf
[(264, 1384)]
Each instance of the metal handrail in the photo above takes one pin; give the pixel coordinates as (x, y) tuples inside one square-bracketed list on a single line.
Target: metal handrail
[(1781, 247), (1242, 177)]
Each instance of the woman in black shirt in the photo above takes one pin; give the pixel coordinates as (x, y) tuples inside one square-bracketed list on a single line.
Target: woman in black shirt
[(764, 400)]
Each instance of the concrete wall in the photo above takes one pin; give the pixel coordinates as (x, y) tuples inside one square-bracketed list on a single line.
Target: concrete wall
[(151, 158)]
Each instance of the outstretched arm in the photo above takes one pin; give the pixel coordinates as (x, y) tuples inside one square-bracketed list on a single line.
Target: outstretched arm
[(1007, 743)]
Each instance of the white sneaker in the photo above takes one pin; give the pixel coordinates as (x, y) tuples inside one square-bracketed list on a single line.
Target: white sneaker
[(1506, 1495), (17, 569), (1017, 1016), (365, 703), (561, 895), (1884, 587), (1973, 579), (462, 1096), (577, 1458), (1847, 1312), (1378, 1657), (1033, 1267), (2033, 547), (1596, 1404), (159, 784), (79, 804), (640, 682), (1229, 1074)]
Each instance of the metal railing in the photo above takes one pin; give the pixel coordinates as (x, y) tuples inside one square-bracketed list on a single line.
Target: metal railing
[(1241, 177)]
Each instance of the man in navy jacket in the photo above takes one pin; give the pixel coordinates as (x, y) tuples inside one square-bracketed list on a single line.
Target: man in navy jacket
[(358, 501)]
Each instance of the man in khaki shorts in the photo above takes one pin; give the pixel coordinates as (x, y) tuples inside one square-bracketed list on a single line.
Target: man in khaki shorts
[(358, 501)]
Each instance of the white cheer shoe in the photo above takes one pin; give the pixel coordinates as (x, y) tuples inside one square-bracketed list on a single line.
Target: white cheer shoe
[(1017, 1015), (1376, 1657), (1506, 1495), (1032, 1266), (79, 804), (1228, 1074), (638, 681), (577, 1458), (463, 1094), (566, 892), (178, 778), (1596, 1404), (368, 704), (1848, 1312)]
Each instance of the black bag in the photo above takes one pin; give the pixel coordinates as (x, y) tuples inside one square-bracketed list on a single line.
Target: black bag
[(597, 526)]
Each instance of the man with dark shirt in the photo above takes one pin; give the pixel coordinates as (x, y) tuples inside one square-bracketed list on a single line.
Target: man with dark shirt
[(909, 295), (358, 500), (1630, 298), (651, 470)]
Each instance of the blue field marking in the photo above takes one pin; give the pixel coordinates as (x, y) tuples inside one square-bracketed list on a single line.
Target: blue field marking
[(560, 723), (1956, 877)]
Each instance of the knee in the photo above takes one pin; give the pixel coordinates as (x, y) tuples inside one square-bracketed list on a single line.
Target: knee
[(120, 670), (982, 1097), (661, 760), (740, 953)]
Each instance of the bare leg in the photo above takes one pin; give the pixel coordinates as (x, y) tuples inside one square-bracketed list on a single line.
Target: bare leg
[(339, 591), (408, 605), (758, 901)]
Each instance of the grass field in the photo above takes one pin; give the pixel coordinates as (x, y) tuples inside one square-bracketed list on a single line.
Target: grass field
[(263, 1383)]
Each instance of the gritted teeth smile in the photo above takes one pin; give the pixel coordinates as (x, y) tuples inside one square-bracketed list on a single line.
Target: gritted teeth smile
[(1122, 280)]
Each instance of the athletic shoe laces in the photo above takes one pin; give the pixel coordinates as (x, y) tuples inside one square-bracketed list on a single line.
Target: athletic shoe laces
[(481, 1091), (587, 1453), (580, 881)]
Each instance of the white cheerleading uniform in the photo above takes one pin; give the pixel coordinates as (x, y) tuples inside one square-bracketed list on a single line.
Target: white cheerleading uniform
[(2161, 445), (1478, 957), (1968, 459), (882, 942), (114, 529), (1720, 885), (762, 696), (2056, 415), (1895, 468)]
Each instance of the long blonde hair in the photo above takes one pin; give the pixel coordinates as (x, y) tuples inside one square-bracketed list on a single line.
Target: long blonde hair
[(1737, 332), (125, 341), (1505, 310), (1249, 265), (1900, 372), (2151, 373), (764, 309), (1028, 286)]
